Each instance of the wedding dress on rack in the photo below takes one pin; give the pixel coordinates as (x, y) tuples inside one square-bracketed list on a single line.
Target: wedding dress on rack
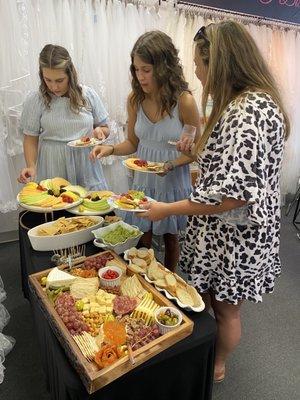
[(6, 342), (7, 194)]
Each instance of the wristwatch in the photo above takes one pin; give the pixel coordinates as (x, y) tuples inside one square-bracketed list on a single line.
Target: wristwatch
[(169, 165)]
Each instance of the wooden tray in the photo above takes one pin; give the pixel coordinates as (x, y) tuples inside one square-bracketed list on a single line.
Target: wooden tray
[(93, 378)]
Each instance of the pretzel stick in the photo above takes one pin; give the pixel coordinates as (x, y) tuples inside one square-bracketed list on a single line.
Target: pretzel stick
[(130, 354)]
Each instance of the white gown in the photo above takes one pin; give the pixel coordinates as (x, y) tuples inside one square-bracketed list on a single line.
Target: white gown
[(6, 342), (7, 196)]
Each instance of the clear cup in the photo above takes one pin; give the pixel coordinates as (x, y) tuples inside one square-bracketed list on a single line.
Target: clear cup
[(188, 132)]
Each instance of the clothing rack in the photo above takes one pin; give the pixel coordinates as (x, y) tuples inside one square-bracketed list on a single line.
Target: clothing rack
[(212, 12)]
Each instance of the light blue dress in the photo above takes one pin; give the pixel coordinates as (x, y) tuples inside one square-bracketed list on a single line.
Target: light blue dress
[(176, 185), (58, 125)]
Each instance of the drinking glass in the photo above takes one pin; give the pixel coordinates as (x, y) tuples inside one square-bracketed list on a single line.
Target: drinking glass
[(188, 132)]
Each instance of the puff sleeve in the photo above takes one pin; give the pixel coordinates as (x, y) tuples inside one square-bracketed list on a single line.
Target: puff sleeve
[(30, 121), (238, 166), (99, 112)]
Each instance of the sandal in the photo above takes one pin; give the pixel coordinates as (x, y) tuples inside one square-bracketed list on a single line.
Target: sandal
[(219, 377)]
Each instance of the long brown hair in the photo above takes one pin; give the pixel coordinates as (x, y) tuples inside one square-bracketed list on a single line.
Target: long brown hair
[(57, 57), (156, 48), (235, 65)]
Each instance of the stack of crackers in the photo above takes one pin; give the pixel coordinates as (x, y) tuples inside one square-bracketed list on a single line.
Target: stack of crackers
[(66, 225)]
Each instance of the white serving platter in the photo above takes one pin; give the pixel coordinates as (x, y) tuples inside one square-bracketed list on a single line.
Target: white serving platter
[(76, 211), (49, 209), (166, 293), (62, 241)]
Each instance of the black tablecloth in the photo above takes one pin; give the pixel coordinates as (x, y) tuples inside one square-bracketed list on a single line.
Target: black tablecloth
[(183, 372)]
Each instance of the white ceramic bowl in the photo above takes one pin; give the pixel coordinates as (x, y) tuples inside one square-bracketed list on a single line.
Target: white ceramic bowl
[(63, 241), (118, 247), (167, 328), (110, 282)]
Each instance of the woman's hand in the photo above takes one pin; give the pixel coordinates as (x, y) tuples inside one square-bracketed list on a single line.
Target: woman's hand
[(101, 151), (167, 167), (100, 133), (27, 175), (155, 211), (185, 145)]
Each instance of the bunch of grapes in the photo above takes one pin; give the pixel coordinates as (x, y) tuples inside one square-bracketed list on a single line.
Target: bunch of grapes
[(97, 262), (65, 307)]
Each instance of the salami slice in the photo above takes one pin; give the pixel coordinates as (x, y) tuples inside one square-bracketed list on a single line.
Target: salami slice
[(124, 304)]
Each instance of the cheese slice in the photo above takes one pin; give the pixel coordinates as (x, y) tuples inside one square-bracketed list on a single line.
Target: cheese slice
[(57, 278)]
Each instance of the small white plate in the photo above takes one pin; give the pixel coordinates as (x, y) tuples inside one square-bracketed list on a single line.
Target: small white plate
[(95, 142), (112, 201), (140, 170), (76, 211)]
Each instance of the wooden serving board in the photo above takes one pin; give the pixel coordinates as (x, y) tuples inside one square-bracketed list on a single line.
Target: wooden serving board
[(93, 378)]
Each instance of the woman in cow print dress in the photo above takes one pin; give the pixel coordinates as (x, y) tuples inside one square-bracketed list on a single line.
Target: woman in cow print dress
[(232, 240)]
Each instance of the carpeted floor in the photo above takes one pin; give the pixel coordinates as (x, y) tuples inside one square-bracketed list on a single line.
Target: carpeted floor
[(264, 367)]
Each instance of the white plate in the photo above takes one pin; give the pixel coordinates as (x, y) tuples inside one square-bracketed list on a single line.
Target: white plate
[(48, 209), (166, 293), (73, 144), (112, 202), (138, 170), (76, 211)]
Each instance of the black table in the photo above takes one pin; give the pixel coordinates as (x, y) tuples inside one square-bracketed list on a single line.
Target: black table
[(183, 372)]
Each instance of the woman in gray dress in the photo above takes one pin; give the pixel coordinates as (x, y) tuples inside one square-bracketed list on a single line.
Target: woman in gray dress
[(159, 105), (59, 112)]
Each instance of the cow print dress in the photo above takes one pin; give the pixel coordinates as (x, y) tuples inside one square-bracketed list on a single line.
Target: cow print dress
[(235, 254)]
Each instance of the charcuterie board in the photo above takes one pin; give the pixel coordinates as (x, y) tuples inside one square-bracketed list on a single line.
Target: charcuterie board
[(137, 305)]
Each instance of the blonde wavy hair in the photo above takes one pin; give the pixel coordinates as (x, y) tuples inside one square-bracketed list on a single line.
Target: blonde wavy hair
[(156, 48), (235, 65), (57, 57)]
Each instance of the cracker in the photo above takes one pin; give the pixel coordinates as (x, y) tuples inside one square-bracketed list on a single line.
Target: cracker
[(184, 296), (139, 262), (161, 283), (142, 253), (136, 269), (132, 253), (171, 283), (195, 296)]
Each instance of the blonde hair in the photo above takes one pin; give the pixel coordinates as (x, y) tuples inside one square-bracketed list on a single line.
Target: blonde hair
[(156, 48), (57, 57), (235, 65)]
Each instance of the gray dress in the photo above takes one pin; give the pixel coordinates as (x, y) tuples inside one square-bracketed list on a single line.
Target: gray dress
[(58, 125), (176, 185)]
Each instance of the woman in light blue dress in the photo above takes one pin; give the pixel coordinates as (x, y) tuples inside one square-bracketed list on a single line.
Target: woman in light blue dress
[(61, 111), (158, 107)]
